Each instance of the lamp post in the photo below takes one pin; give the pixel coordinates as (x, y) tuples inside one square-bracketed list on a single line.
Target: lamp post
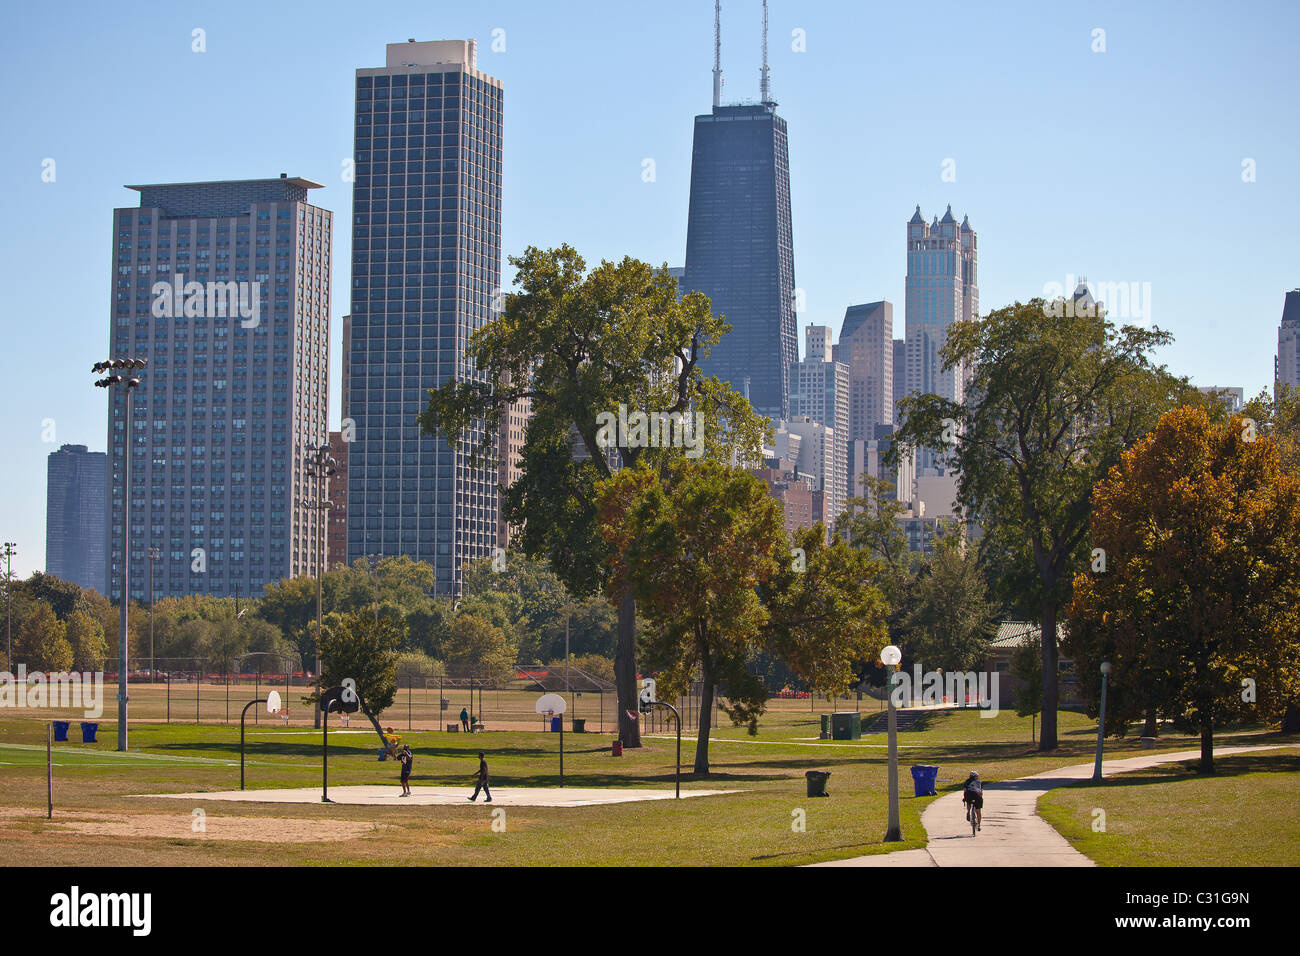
[(1101, 722), (154, 555), (320, 466), (121, 375), (891, 656), (10, 547)]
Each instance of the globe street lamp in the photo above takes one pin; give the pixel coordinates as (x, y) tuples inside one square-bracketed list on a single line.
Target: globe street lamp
[(121, 376), (891, 656), (1101, 721)]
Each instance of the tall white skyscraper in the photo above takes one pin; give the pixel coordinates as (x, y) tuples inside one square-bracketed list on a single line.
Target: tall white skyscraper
[(1286, 367), (942, 288), (821, 395)]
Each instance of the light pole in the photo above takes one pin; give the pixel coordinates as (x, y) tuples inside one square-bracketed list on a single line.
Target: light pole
[(320, 465), (10, 548), (121, 376), (890, 657), (154, 555), (1101, 722)]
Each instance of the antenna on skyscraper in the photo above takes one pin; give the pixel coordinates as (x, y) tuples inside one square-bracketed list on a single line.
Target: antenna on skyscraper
[(765, 91), (717, 52)]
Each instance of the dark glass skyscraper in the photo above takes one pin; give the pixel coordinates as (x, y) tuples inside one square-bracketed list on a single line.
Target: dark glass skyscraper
[(76, 496), (740, 250), (426, 261)]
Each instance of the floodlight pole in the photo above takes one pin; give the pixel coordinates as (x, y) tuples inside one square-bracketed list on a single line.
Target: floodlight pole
[(49, 770), (9, 601), (122, 374)]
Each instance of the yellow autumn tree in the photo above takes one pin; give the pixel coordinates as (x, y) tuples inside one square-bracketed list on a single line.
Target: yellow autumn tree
[(1193, 598)]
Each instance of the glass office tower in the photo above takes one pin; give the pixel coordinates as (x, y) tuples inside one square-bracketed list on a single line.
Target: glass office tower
[(740, 250), (75, 497), (426, 262)]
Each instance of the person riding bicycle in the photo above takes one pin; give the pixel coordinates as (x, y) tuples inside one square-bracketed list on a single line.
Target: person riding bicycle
[(973, 796)]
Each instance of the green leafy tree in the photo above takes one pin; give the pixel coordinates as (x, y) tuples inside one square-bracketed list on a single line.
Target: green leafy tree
[(1053, 402), (86, 637), (578, 345), (476, 647), (952, 619), (41, 642), (1197, 610), (358, 649), (704, 551)]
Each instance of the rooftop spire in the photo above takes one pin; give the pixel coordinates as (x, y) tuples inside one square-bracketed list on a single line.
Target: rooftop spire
[(717, 52), (765, 86)]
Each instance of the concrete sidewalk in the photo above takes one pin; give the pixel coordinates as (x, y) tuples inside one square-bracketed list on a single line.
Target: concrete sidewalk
[(1012, 833), (390, 795)]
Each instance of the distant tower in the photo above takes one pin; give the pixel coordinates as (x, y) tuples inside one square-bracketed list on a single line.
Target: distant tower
[(717, 52), (765, 76), (942, 288), (1286, 366), (739, 244)]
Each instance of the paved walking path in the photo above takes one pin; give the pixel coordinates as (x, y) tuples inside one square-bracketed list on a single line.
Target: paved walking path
[(1012, 833), (378, 795)]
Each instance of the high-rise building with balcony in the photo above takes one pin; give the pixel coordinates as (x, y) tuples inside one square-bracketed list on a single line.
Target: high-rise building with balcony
[(225, 288), (426, 262)]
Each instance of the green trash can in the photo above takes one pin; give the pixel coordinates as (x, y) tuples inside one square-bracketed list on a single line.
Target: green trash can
[(826, 727), (846, 726), (817, 782)]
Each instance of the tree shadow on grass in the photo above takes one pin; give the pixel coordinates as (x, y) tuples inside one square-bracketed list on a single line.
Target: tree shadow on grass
[(1186, 771)]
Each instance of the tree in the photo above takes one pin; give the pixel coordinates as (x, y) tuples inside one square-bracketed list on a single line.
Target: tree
[(42, 642), (290, 605), (1053, 401), (871, 524), (1027, 669), (86, 637), (952, 620), (1197, 610), (478, 648), (705, 553), (358, 649), (579, 346)]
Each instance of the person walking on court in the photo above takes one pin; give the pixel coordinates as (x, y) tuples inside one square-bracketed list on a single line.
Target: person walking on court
[(464, 720), (481, 780), (407, 758)]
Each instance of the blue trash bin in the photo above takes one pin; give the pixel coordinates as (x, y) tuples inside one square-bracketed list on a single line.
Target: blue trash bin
[(557, 724), (61, 730), (88, 731), (923, 780)]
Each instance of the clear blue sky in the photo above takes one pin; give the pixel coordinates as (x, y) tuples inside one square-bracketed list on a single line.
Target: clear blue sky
[(1124, 165)]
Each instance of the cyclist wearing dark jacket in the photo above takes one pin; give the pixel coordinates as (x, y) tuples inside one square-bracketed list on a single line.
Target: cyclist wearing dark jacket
[(973, 793)]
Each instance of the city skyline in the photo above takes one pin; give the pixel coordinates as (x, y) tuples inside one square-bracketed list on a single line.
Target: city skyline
[(843, 217)]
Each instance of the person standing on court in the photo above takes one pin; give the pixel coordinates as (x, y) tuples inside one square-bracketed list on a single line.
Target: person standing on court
[(482, 780), (464, 720), (407, 758)]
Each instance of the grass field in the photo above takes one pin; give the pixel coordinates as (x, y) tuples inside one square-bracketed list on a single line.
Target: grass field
[(97, 820), (1243, 815)]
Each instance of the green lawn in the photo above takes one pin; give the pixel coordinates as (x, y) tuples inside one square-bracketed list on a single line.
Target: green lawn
[(752, 827), (1243, 815)]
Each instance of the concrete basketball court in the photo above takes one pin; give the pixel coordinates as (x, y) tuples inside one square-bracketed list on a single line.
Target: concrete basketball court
[(391, 795)]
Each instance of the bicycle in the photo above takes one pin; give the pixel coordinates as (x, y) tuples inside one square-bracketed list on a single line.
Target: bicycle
[(975, 815)]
